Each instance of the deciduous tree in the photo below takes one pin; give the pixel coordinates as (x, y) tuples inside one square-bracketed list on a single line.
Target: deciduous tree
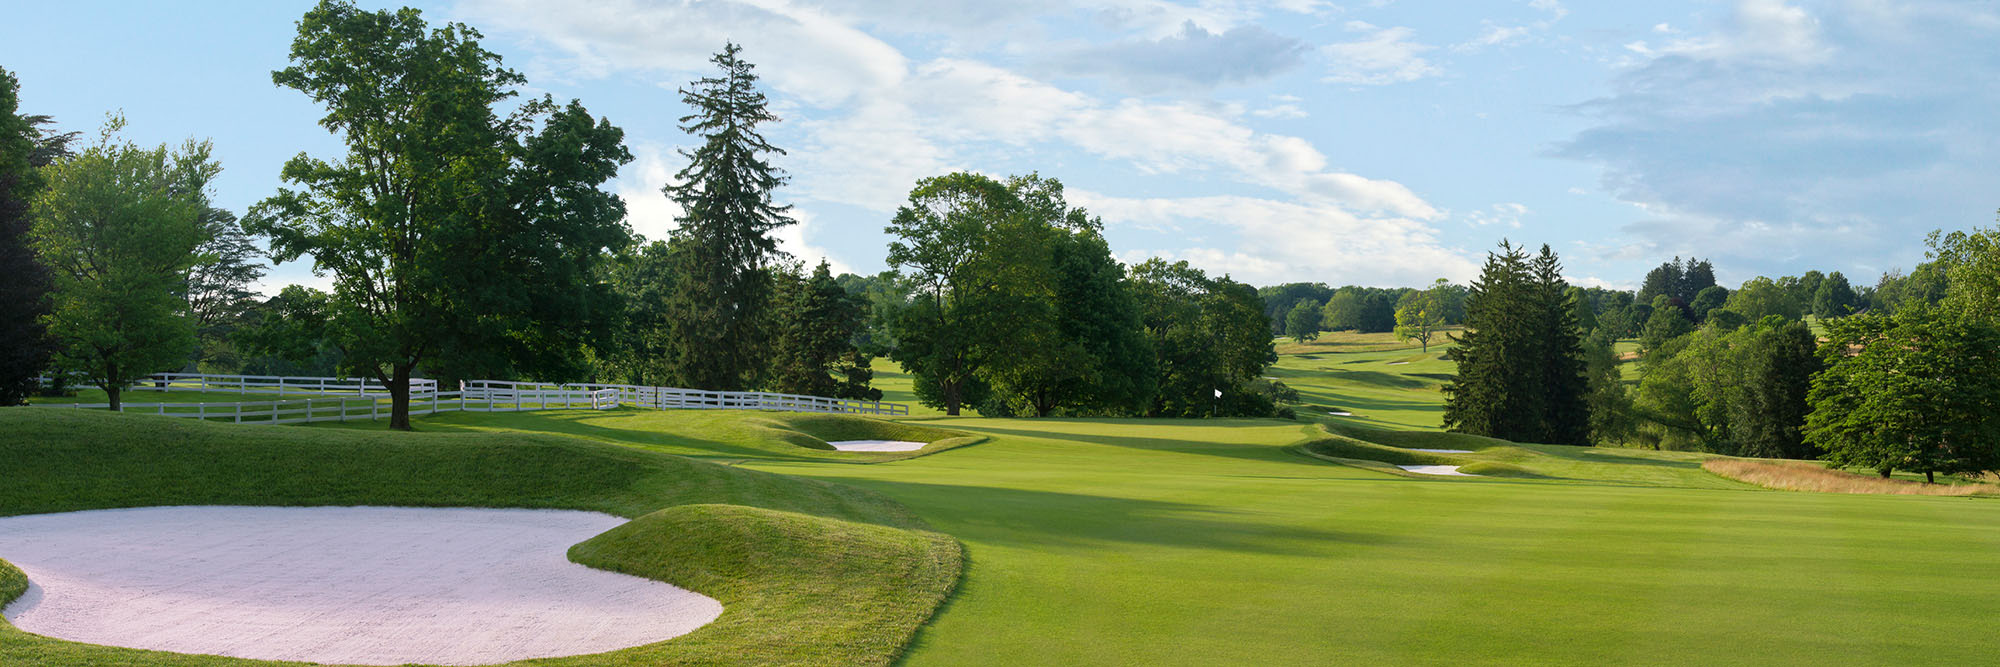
[(117, 226), (1915, 391)]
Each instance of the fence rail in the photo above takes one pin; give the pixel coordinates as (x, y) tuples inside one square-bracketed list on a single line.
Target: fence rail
[(343, 399)]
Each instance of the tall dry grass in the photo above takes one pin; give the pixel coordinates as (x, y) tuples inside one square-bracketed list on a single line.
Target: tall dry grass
[(1808, 477)]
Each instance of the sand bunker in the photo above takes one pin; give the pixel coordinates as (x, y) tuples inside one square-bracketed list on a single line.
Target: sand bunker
[(876, 445), (363, 585), (1437, 470), (1440, 451)]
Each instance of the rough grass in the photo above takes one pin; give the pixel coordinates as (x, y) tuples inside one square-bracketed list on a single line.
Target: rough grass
[(848, 579), (1802, 476)]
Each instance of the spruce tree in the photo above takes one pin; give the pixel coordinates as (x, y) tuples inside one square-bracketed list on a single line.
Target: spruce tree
[(1564, 383), (1520, 362), (817, 321), (722, 292)]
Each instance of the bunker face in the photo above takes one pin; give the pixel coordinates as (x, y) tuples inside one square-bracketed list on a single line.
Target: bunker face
[(357, 585), (1437, 470), (877, 445)]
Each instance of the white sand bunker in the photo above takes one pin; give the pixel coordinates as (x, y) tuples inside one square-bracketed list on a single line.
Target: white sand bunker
[(876, 445), (1440, 451), (362, 585), (1437, 470)]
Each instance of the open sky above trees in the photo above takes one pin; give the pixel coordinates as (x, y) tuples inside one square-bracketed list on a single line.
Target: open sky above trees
[(1291, 141)]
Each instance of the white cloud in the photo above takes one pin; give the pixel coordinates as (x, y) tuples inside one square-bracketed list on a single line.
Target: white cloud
[(1281, 111), (1284, 241), (1508, 214), (1759, 30), (1383, 56)]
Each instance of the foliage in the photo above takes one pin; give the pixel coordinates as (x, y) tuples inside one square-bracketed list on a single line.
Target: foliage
[(24, 345), (1302, 321), (1739, 391), (1611, 416), (814, 354), (1707, 300), (117, 226), (1280, 300), (287, 335), (1421, 313), (886, 294), (1665, 324), (218, 286), (717, 336), (1364, 309), (1918, 391), (455, 238), (1970, 264), (942, 237), (1210, 339), (1678, 280), (1761, 297), (1521, 371), (1833, 298)]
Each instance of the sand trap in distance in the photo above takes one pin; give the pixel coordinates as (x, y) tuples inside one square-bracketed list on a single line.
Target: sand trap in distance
[(1437, 470), (357, 585), (876, 445)]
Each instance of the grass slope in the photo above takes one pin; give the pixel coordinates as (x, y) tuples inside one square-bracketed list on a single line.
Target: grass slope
[(808, 572)]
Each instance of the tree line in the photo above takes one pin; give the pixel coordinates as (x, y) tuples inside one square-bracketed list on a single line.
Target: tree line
[(466, 234)]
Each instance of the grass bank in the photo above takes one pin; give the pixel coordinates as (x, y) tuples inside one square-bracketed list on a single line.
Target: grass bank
[(808, 572)]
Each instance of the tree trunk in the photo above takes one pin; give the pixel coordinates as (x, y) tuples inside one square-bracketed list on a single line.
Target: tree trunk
[(111, 389), (1929, 477), (399, 398), (1885, 472), (950, 391)]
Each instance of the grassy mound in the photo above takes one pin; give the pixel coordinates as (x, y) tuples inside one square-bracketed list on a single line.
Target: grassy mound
[(1803, 476), (775, 613), (842, 595), (814, 431)]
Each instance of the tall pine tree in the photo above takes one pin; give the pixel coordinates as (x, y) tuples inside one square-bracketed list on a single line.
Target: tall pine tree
[(722, 292), (817, 321), (1520, 364)]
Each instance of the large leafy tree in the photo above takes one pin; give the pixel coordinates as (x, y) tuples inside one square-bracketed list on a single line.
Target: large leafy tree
[(945, 240), (24, 348), (815, 354), (117, 225), (1210, 338), (454, 236), (1916, 391), (722, 291)]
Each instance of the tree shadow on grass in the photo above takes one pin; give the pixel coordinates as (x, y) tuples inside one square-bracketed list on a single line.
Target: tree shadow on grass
[(1049, 519), (1251, 452)]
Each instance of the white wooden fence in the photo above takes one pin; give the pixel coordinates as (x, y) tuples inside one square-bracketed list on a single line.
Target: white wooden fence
[(343, 399)]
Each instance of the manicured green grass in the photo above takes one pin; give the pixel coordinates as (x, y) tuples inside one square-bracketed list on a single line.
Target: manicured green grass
[(808, 572), (1385, 384), (93, 395), (1212, 542)]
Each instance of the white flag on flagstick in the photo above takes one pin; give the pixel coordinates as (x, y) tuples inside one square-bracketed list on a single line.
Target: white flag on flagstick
[(1218, 393)]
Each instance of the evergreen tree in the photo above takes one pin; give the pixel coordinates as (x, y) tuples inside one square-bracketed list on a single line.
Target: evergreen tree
[(722, 292), (24, 345), (1559, 356), (1521, 369), (218, 287), (815, 355), (1494, 392)]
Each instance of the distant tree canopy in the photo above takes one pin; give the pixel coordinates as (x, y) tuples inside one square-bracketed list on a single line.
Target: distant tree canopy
[(1421, 313), (1739, 391), (1280, 300), (1211, 342), (1521, 368), (1363, 309), (1302, 322), (816, 323), (1914, 391), (1678, 280)]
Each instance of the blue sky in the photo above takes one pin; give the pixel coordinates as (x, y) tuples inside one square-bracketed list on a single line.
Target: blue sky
[(1376, 142)]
